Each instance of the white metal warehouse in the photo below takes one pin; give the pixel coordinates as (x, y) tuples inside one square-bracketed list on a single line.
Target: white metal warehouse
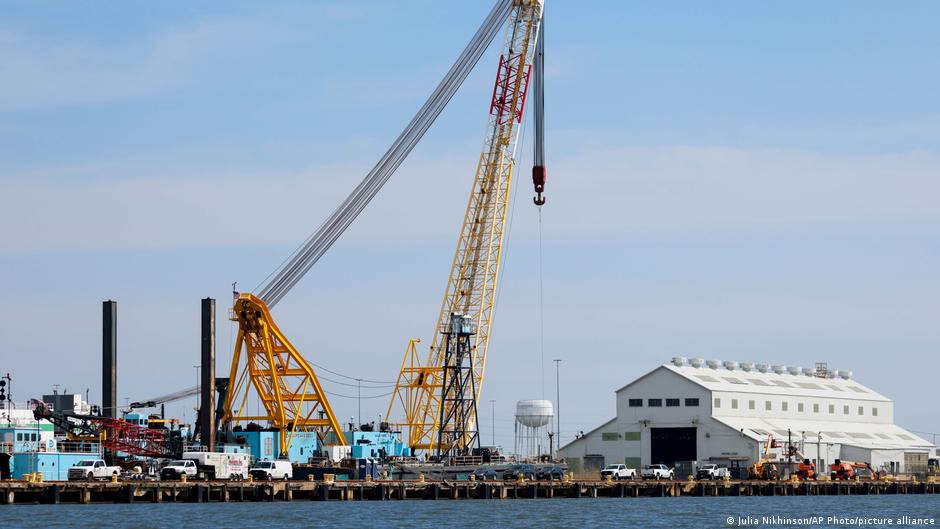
[(688, 413)]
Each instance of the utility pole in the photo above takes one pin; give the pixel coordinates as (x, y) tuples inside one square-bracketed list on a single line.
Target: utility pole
[(359, 399), (557, 402)]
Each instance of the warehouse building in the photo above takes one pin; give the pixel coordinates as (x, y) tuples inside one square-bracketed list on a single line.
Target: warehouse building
[(687, 413)]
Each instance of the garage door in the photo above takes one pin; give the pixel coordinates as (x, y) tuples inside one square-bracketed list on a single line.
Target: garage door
[(668, 445)]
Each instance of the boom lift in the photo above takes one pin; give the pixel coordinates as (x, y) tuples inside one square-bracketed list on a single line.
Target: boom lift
[(266, 363)]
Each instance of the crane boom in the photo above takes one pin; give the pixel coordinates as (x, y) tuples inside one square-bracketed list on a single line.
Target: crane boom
[(443, 392), (264, 360)]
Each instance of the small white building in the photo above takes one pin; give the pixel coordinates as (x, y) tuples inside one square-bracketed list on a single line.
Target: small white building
[(688, 413)]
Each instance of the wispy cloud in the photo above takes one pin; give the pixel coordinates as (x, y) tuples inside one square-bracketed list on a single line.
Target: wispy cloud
[(41, 70), (591, 193)]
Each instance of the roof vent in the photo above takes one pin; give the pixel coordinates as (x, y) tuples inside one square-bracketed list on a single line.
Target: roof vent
[(747, 366), (762, 368), (697, 362), (794, 370), (730, 365), (679, 361), (809, 371), (845, 375), (778, 369), (713, 363)]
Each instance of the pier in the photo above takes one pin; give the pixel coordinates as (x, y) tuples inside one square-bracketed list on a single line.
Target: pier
[(226, 491)]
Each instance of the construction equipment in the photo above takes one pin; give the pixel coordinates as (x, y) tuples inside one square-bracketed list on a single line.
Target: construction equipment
[(441, 415), (264, 360), (116, 435), (765, 468), (806, 470), (845, 470)]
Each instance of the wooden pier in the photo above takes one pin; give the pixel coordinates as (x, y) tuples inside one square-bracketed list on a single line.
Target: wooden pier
[(13, 492)]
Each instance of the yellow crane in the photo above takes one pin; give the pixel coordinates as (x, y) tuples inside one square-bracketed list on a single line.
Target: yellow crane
[(266, 364), (438, 397)]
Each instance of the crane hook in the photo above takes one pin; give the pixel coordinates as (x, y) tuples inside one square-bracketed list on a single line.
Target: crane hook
[(538, 180)]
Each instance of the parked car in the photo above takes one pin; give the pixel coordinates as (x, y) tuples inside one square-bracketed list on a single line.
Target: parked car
[(657, 471), (618, 471), (91, 469), (485, 474), (525, 470), (277, 469), (712, 472), (180, 467), (550, 473)]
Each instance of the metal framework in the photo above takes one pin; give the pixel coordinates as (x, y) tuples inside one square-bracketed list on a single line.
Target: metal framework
[(285, 383), (456, 435), (471, 287)]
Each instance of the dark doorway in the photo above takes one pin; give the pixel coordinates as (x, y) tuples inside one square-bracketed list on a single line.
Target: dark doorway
[(668, 445), (593, 462), (5, 467)]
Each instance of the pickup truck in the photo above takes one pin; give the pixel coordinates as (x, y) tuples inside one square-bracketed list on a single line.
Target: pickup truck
[(618, 472), (712, 472), (91, 469), (179, 467), (658, 471)]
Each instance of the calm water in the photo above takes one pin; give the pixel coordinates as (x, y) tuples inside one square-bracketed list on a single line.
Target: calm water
[(561, 513)]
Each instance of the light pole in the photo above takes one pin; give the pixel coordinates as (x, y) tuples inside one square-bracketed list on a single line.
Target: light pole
[(493, 419), (557, 404)]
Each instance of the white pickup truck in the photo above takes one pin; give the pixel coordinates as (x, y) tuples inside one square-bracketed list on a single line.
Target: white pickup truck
[(177, 468), (618, 472), (712, 472), (91, 469), (658, 471)]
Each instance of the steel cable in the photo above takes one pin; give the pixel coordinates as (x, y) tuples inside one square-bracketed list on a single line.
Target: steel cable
[(305, 256)]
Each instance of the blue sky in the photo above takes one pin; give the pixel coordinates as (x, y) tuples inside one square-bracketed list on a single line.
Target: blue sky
[(734, 180)]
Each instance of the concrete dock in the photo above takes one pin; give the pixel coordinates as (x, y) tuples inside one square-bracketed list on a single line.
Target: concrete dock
[(12, 492)]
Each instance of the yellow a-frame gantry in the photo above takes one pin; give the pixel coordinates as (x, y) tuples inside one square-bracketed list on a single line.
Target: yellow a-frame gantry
[(288, 388)]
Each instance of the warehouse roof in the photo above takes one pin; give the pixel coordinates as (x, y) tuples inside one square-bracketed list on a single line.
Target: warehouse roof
[(729, 376), (861, 434)]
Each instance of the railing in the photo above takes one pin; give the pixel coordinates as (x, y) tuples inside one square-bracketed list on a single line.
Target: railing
[(468, 460), (74, 447)]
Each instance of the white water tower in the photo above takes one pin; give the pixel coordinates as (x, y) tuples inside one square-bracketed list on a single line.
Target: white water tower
[(533, 418)]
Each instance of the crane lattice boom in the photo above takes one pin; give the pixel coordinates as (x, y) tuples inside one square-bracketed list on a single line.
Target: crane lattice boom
[(472, 285), (264, 359)]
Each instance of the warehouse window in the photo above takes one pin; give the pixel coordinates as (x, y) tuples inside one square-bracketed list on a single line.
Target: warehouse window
[(610, 436), (861, 410), (815, 408), (636, 403), (691, 402), (768, 405), (734, 404), (672, 403), (750, 404), (784, 405), (631, 436), (717, 402), (832, 409), (654, 403), (845, 409), (874, 412), (799, 407)]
